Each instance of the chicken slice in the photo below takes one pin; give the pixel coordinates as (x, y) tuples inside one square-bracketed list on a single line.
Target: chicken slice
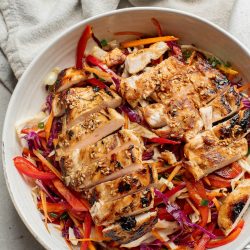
[(179, 120), (129, 229), (81, 102), (68, 78), (92, 129), (207, 153), (236, 127), (137, 61), (81, 175), (106, 213), (58, 106), (208, 82), (234, 206), (123, 185), (111, 58), (226, 104), (136, 88)]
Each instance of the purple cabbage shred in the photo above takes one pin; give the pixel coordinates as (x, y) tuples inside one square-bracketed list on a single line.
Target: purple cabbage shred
[(33, 140), (147, 155), (77, 232), (132, 115), (49, 102), (55, 130)]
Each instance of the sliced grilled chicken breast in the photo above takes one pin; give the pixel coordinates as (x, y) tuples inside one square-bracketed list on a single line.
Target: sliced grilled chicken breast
[(106, 213), (136, 88), (180, 119), (128, 229), (81, 102), (216, 148), (111, 58), (137, 61), (236, 127), (80, 175), (123, 185), (95, 127), (234, 206), (226, 104), (68, 78), (207, 153)]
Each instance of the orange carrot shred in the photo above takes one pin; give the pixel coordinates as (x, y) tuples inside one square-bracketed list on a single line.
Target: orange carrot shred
[(148, 41)]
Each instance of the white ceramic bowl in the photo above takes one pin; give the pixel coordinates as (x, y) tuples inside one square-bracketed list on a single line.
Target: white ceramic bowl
[(29, 93)]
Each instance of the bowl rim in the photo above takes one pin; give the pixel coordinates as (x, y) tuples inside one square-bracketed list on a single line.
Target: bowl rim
[(53, 42)]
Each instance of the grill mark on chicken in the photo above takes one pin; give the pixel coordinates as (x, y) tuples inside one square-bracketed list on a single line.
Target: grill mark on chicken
[(69, 77), (106, 213), (123, 185), (216, 148), (234, 206), (144, 223)]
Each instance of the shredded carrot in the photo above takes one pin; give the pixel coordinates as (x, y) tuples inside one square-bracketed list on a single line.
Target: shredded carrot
[(44, 204), (76, 222), (47, 164), (91, 246), (159, 165), (227, 70), (68, 244), (192, 206), (86, 239), (216, 203), (48, 125), (244, 87), (43, 142), (98, 72), (125, 33), (41, 134), (157, 235), (207, 181), (148, 41), (55, 141), (211, 195), (174, 172)]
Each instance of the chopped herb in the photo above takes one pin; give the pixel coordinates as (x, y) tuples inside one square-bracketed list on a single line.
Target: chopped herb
[(64, 216), (51, 88), (99, 78), (186, 54), (214, 61), (41, 125), (104, 43), (96, 89), (227, 64), (53, 215), (204, 203)]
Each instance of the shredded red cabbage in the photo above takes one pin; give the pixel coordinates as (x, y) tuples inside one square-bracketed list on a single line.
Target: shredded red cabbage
[(77, 232), (116, 81), (65, 231), (147, 155), (33, 140), (132, 115), (246, 103), (44, 188), (180, 216), (55, 130), (49, 102)]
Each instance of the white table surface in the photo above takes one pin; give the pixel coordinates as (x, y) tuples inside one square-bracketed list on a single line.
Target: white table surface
[(13, 233)]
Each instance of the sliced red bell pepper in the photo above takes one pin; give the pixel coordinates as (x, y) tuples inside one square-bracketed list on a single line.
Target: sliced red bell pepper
[(87, 231), (96, 62), (164, 215), (230, 172), (81, 46), (24, 166), (219, 182), (97, 83), (163, 141), (231, 237), (76, 204), (194, 195), (55, 207)]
